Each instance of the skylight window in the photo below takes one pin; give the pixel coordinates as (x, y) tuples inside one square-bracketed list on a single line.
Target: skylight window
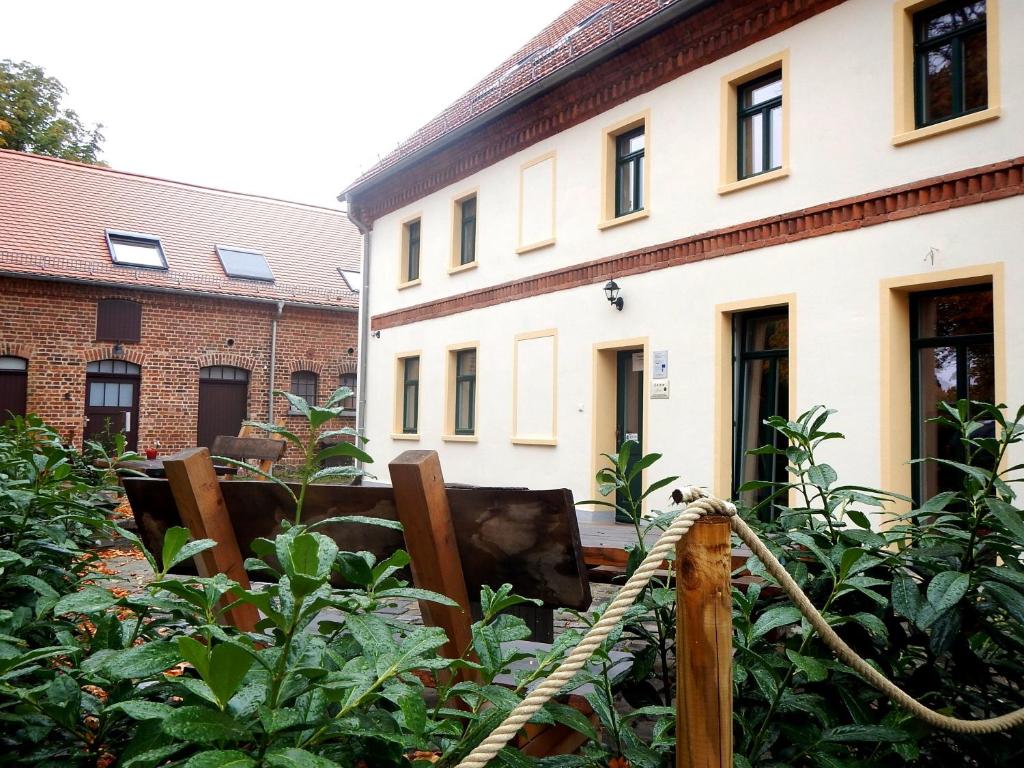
[(131, 249), (353, 279), (251, 265)]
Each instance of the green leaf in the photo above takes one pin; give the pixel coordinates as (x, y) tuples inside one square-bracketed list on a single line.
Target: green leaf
[(412, 593), (344, 449), (195, 653), (203, 725), (292, 757), (174, 540), (1008, 515), (774, 618), (849, 559), (361, 519), (229, 664), (821, 475), (189, 551), (946, 590), (855, 733), (142, 710), (806, 540), (220, 758), (811, 667), (91, 599), (274, 429), (414, 711), (906, 598), (142, 661), (1009, 598), (354, 569)]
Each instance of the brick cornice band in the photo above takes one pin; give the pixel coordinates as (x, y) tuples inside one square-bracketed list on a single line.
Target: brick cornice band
[(939, 193), (706, 36)]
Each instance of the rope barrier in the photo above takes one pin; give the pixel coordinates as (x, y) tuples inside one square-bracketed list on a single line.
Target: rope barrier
[(700, 504)]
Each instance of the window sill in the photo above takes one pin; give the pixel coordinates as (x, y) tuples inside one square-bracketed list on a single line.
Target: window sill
[(534, 441), (459, 438), (535, 246), (761, 178), (946, 126), (635, 216), (462, 267), (405, 435), (408, 284)]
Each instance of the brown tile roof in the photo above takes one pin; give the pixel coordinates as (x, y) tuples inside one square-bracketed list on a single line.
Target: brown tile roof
[(54, 213), (587, 25)]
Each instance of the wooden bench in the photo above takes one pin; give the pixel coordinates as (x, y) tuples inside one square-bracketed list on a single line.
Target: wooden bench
[(261, 452), (459, 539)]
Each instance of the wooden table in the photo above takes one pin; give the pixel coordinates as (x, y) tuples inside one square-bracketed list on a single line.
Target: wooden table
[(155, 467)]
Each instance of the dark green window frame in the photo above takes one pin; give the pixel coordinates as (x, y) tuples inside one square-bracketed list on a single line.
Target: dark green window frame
[(960, 343), (770, 468), (412, 250), (955, 40), (410, 385), (461, 377), (748, 113), (467, 230), (623, 160)]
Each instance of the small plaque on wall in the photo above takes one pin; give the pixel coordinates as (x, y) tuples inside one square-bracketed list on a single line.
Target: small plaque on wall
[(660, 364), (659, 389)]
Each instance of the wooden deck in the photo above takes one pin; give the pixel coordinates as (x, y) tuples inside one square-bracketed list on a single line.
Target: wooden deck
[(604, 544)]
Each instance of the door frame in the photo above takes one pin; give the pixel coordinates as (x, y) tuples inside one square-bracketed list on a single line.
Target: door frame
[(604, 392), (131, 435)]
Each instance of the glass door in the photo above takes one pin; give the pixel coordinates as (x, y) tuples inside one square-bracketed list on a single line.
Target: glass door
[(629, 415)]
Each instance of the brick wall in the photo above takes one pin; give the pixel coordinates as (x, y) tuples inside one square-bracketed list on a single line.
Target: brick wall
[(54, 324)]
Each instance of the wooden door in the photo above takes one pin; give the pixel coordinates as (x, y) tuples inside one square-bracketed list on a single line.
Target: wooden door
[(112, 406), (13, 387), (629, 414), (223, 396)]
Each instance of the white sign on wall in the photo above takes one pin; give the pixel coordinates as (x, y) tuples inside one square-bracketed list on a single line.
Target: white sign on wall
[(660, 364)]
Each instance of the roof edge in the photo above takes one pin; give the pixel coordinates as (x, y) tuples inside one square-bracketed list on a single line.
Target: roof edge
[(32, 157), (668, 15)]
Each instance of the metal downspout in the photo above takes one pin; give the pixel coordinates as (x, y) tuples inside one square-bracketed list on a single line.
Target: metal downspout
[(362, 384), (273, 361)]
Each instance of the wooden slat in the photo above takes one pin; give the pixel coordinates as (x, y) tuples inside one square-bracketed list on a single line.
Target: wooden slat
[(196, 492), (422, 503), (248, 448), (704, 646)]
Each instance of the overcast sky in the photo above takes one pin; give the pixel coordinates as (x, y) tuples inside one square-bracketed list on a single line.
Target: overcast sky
[(291, 99)]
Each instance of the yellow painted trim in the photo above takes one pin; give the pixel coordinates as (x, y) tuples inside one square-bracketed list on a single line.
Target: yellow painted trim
[(463, 268), (761, 178), (608, 137), (729, 180), (535, 246), (456, 206), (602, 417), (895, 413), (904, 131), (403, 253), (636, 215), (396, 414), (964, 121), (449, 394), (527, 247), (724, 378), (553, 438)]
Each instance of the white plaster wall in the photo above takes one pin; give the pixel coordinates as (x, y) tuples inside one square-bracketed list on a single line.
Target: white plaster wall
[(836, 281), (840, 91), (841, 114)]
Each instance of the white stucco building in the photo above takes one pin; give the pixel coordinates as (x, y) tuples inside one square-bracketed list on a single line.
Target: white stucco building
[(801, 202)]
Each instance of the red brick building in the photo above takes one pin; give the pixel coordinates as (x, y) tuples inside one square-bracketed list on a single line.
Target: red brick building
[(165, 309)]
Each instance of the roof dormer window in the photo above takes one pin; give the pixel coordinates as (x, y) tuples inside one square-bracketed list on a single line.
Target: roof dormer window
[(135, 250), (239, 262)]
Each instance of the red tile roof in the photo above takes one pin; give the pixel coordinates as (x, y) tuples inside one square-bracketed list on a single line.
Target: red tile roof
[(54, 214), (586, 26)]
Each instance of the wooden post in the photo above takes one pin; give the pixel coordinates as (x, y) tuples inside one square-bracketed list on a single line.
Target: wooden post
[(704, 646), (422, 504), (201, 506)]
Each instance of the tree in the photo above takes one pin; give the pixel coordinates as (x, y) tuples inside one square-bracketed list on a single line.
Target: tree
[(33, 120)]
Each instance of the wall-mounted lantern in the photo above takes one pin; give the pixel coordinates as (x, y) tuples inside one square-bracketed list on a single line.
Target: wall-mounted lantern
[(611, 291)]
